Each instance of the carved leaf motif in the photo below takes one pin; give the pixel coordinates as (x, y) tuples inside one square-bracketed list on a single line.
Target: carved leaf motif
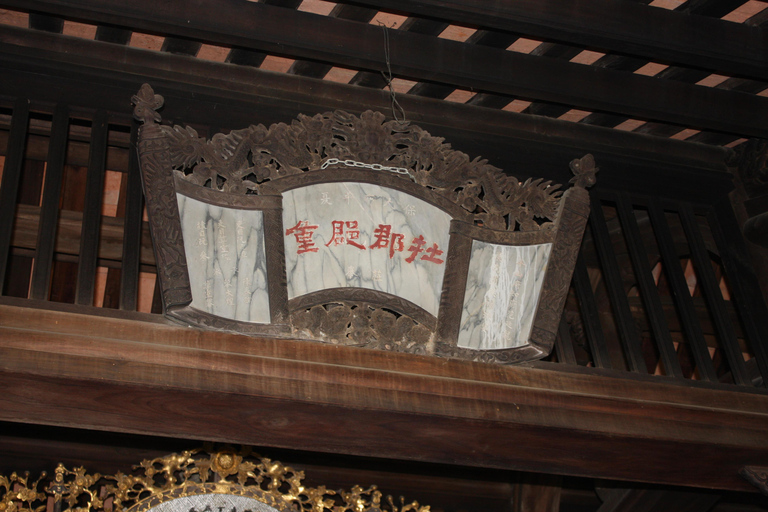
[(243, 160)]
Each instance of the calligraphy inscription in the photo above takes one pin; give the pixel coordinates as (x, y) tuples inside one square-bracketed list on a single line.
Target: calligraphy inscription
[(367, 236)]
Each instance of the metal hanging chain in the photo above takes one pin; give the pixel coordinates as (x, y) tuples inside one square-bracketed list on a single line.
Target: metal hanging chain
[(395, 105), (375, 167)]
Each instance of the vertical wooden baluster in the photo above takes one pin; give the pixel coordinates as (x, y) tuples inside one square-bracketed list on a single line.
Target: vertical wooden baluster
[(564, 343), (589, 315), (9, 188), (681, 294), (625, 323), (744, 285), (134, 207), (94, 191), (726, 333), (649, 293), (49, 212)]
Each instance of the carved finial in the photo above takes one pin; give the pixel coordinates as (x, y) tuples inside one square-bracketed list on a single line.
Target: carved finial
[(584, 171), (57, 487), (757, 476), (147, 102)]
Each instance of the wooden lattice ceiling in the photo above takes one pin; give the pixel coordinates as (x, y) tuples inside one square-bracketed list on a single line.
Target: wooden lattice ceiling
[(691, 70)]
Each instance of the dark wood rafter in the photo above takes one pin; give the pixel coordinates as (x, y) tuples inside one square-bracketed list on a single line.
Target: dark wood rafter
[(657, 34), (691, 171), (360, 45)]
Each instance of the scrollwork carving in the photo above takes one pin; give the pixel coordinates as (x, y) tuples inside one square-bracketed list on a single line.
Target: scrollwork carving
[(247, 161), (190, 473), (362, 325)]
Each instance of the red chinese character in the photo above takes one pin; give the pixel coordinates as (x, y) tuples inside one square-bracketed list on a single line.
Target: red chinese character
[(385, 238), (416, 247), (303, 232), (339, 237), (432, 254), (353, 234), (382, 236), (396, 244)]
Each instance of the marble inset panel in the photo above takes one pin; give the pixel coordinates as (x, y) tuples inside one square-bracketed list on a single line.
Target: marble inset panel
[(366, 236), (225, 259), (503, 288), (213, 502)]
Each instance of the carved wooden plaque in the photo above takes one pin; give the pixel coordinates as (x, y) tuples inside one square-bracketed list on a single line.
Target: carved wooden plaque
[(359, 231)]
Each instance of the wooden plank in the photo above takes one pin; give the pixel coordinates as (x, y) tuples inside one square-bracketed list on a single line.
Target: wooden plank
[(287, 393), (416, 25), (628, 333), (620, 27), (743, 282), (648, 290), (134, 208), (691, 324), (9, 187), (91, 225), (49, 213), (358, 45), (341, 11), (227, 96), (706, 279), (589, 315)]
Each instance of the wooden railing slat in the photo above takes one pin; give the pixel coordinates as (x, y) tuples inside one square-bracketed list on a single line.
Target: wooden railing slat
[(134, 206), (625, 324), (685, 307), (726, 332), (649, 293), (49, 213), (9, 188), (589, 315), (89, 236)]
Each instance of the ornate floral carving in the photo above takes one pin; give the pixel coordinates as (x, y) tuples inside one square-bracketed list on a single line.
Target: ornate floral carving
[(362, 325), (265, 161), (190, 473), (246, 161)]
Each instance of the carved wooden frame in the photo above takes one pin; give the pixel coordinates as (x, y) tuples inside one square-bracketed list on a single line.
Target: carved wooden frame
[(251, 168), (223, 473)]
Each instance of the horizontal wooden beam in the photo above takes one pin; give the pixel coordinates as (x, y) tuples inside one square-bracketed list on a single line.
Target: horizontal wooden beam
[(660, 35), (258, 26), (68, 231), (94, 75), (146, 377)]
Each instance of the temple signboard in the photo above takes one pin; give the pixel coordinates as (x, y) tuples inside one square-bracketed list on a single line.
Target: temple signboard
[(358, 231)]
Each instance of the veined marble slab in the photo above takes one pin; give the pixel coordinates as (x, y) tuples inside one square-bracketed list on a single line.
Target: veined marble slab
[(213, 502), (226, 260), (502, 294), (335, 237)]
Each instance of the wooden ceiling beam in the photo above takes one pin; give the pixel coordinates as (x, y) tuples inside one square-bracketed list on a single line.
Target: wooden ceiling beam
[(659, 35), (352, 44), (92, 74), (149, 377)]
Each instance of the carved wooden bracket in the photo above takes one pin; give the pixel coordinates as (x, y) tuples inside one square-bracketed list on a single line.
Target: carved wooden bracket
[(757, 476), (359, 231)]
